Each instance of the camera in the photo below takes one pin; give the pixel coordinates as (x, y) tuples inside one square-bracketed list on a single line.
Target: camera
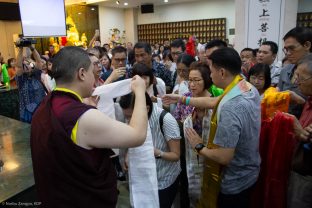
[(25, 42)]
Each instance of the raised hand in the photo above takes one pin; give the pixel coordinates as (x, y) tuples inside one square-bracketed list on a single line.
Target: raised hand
[(117, 73), (301, 134), (137, 84), (308, 129)]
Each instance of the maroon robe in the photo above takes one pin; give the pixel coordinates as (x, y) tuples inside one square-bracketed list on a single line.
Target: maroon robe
[(67, 175)]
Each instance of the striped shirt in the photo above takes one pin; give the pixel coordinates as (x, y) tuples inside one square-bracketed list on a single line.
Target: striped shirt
[(167, 171)]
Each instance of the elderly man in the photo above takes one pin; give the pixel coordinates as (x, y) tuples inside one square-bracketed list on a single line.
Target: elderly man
[(201, 55), (300, 186), (71, 141), (297, 44)]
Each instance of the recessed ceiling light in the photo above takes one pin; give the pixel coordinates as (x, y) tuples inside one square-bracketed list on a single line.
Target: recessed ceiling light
[(166, 1), (92, 9), (126, 4), (79, 13), (117, 2)]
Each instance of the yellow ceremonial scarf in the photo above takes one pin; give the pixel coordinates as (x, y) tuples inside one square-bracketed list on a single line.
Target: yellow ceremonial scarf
[(68, 91), (212, 173), (75, 129), (274, 101)]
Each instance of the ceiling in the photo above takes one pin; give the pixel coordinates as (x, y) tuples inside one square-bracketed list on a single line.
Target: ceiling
[(131, 3)]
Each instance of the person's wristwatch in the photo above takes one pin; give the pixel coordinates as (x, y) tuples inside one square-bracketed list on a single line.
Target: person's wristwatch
[(199, 147), (159, 155)]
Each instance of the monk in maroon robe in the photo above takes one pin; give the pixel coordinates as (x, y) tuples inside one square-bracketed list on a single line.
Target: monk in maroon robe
[(71, 142)]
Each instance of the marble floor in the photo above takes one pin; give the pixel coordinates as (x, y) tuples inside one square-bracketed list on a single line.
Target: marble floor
[(16, 173), (123, 197)]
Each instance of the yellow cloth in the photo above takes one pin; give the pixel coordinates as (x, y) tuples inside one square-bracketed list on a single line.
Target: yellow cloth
[(75, 129), (212, 172), (274, 101), (69, 91)]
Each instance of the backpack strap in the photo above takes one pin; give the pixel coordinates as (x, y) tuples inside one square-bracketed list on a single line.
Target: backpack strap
[(155, 91), (161, 121)]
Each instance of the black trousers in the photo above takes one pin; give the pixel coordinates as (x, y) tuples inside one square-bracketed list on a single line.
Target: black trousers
[(167, 195), (240, 200)]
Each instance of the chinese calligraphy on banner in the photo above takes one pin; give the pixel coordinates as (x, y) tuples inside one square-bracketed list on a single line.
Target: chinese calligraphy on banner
[(264, 18)]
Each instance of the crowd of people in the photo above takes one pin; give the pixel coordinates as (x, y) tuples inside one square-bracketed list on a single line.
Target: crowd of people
[(207, 122)]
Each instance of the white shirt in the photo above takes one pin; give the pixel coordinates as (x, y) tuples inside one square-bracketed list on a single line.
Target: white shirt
[(161, 89)]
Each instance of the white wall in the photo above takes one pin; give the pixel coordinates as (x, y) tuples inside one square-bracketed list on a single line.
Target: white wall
[(110, 18), (131, 21), (192, 11), (241, 25), (304, 6)]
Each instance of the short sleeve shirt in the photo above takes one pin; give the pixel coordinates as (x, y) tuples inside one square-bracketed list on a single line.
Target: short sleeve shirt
[(239, 128), (167, 171)]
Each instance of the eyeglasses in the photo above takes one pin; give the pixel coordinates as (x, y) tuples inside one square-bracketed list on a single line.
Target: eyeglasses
[(182, 70), (119, 60), (176, 53), (300, 81), (195, 81), (98, 64), (290, 49)]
